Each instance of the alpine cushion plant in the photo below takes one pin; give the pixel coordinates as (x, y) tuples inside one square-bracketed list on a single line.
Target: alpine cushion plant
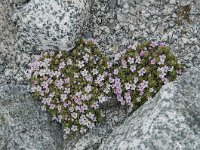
[(72, 85), (139, 73)]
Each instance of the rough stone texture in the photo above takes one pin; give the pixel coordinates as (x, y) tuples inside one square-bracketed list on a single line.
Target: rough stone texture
[(169, 121), (118, 23), (115, 24), (7, 39), (22, 123), (49, 24)]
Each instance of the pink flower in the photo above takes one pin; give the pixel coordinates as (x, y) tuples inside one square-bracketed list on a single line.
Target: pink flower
[(154, 44), (99, 79), (67, 80), (142, 72), (127, 97), (153, 61), (116, 71), (133, 68), (132, 46), (89, 78), (124, 63), (142, 86), (121, 99), (162, 44), (142, 53)]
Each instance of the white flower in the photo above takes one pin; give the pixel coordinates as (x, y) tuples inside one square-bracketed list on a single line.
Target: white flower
[(94, 71), (84, 73), (131, 60), (84, 97), (171, 68), (78, 94), (90, 116), (106, 90), (83, 130), (62, 65), (76, 75), (63, 97), (59, 55), (69, 62), (116, 71), (133, 87), (67, 90), (74, 115), (86, 57), (67, 130), (99, 79), (127, 86), (135, 80), (89, 78), (74, 128), (138, 99), (80, 64), (43, 107), (88, 88), (102, 98)]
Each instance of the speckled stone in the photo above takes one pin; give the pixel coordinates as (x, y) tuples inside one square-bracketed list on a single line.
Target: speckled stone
[(169, 121), (49, 24), (22, 123)]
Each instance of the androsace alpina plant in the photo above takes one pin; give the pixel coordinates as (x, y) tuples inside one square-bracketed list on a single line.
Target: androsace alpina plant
[(139, 73), (72, 85)]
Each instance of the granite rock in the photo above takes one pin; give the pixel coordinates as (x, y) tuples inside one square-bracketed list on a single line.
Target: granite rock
[(22, 123), (49, 24), (168, 121)]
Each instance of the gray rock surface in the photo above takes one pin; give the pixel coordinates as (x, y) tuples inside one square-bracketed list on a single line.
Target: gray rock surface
[(22, 123), (115, 24), (49, 24), (169, 121), (118, 23)]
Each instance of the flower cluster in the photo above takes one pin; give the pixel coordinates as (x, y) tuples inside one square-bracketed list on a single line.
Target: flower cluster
[(72, 85), (141, 71)]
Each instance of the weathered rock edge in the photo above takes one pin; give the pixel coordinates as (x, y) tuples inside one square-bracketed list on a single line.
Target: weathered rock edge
[(169, 121)]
